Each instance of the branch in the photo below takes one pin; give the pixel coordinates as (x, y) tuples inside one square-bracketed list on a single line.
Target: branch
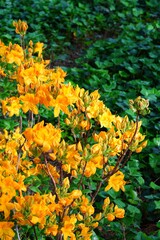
[(49, 173)]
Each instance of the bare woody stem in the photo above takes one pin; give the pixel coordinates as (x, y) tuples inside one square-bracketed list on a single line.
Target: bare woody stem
[(22, 41), (30, 119), (20, 123), (34, 229), (96, 192), (18, 161), (59, 236), (49, 173), (17, 231)]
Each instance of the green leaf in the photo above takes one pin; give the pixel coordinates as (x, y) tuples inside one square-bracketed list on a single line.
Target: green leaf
[(119, 203), (154, 186), (113, 194), (94, 236), (154, 161), (150, 27), (142, 236), (140, 180), (157, 141), (151, 197), (133, 210), (137, 11), (34, 189), (8, 36), (157, 203), (158, 224)]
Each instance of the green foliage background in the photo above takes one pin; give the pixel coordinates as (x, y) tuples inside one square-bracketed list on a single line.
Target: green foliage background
[(112, 46)]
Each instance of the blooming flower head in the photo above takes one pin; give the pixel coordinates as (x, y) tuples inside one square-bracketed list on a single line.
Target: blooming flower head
[(116, 181), (6, 232)]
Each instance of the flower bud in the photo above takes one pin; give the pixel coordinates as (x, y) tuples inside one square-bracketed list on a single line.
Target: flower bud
[(140, 105), (79, 217), (21, 27), (110, 217), (95, 225), (98, 216), (66, 183)]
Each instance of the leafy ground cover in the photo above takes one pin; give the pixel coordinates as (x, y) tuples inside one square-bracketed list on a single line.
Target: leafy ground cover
[(112, 46)]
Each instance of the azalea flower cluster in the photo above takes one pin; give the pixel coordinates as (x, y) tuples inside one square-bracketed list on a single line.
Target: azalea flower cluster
[(84, 140)]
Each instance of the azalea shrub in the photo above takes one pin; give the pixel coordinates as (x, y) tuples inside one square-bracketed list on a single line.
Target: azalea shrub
[(54, 169)]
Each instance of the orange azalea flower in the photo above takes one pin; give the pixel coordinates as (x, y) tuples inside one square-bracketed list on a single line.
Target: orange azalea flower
[(11, 106), (95, 108), (31, 77), (17, 136), (72, 158), (28, 77), (67, 96), (29, 134), (44, 95), (6, 232), (5, 205), (16, 55), (66, 199), (61, 104), (119, 212), (12, 53), (68, 227), (57, 76), (53, 230), (7, 186), (38, 48), (86, 207), (47, 137), (106, 119), (34, 209), (116, 181), (29, 103), (112, 212), (76, 194), (85, 232), (11, 149), (39, 211), (90, 169)]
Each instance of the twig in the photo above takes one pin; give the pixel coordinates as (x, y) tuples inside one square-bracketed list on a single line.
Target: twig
[(60, 236), (20, 123), (54, 183), (18, 161), (34, 229), (96, 192), (17, 231), (124, 232)]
